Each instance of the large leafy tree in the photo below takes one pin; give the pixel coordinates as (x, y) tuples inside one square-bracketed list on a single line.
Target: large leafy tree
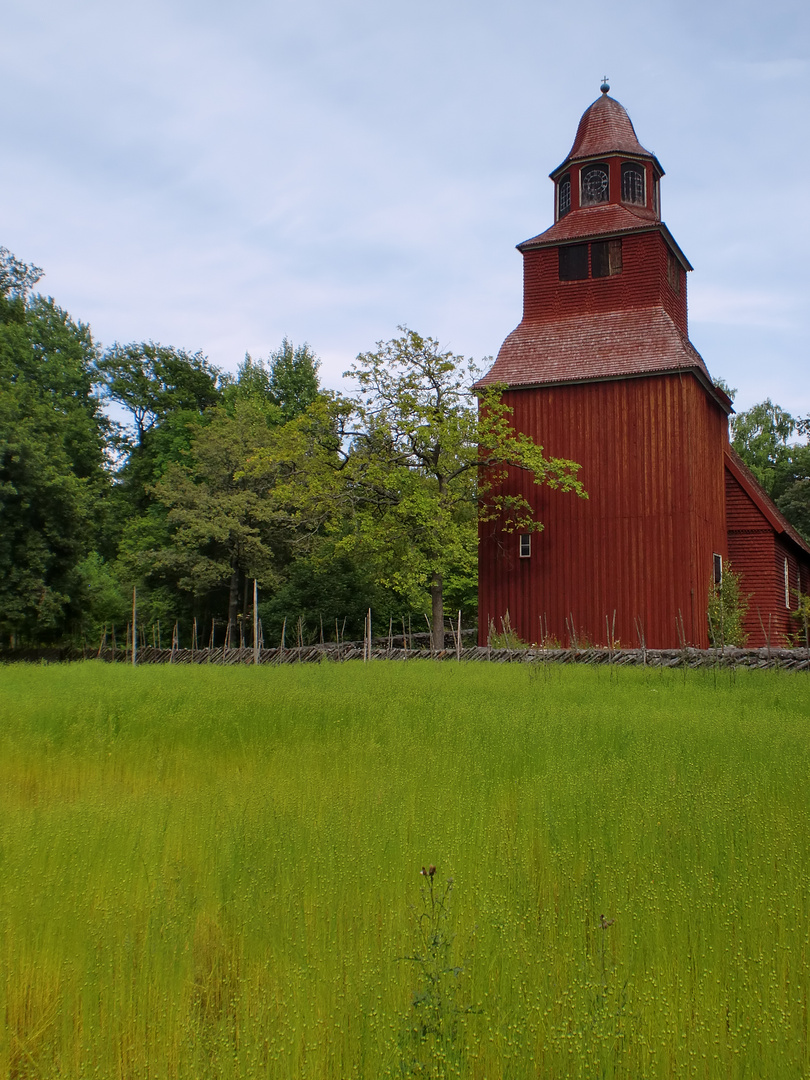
[(293, 378), (287, 380), (426, 464), (152, 382), (220, 522), (53, 481), (249, 496), (165, 391)]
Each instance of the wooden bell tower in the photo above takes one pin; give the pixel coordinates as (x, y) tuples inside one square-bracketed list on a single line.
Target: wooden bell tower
[(601, 371)]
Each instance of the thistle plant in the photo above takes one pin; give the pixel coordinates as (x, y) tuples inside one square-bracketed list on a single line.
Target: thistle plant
[(430, 1045)]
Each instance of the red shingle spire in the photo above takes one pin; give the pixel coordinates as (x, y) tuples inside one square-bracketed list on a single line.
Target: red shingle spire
[(605, 128)]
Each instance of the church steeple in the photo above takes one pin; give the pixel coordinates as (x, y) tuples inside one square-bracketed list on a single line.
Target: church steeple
[(605, 286), (607, 165), (600, 370)]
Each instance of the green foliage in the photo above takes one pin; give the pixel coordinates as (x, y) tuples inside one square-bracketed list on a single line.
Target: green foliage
[(327, 589), (426, 465), (47, 524), (252, 381), (16, 279), (53, 480), (726, 388), (801, 619), (208, 872), (152, 381), (760, 437), (286, 385), (506, 637), (764, 437), (293, 379), (794, 502), (727, 609), (108, 600), (221, 519)]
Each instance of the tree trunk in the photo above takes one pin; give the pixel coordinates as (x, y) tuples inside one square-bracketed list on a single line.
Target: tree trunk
[(437, 603), (233, 610)]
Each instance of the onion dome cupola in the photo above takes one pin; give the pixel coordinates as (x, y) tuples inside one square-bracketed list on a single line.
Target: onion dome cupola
[(607, 166), (604, 287)]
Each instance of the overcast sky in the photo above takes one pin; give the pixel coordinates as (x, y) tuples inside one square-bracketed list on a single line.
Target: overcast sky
[(216, 176)]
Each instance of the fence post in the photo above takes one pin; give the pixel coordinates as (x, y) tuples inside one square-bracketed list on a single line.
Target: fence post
[(255, 621)]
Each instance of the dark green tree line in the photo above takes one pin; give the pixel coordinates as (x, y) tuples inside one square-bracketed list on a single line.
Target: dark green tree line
[(53, 477), (208, 480)]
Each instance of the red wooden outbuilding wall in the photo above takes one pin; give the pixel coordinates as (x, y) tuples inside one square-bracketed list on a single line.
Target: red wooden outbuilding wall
[(772, 559), (641, 545)]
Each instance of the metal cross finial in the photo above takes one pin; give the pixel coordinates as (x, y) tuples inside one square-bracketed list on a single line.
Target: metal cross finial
[(605, 84)]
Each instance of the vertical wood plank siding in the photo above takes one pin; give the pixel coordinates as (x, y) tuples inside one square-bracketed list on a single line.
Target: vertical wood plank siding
[(651, 451)]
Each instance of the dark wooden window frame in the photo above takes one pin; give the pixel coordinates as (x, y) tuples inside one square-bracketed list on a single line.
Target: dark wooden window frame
[(599, 259), (606, 258), (573, 262)]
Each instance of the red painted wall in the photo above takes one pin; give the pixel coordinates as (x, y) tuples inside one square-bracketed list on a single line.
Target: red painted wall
[(642, 283), (651, 451), (758, 554)]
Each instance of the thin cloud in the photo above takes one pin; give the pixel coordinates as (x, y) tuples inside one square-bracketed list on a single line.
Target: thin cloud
[(216, 178), (735, 307)]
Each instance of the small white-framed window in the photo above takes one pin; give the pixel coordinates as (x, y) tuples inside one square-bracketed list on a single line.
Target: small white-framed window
[(787, 584), (564, 196), (718, 568), (525, 545)]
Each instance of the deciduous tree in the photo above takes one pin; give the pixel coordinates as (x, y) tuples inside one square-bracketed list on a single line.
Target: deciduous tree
[(53, 482), (426, 465)]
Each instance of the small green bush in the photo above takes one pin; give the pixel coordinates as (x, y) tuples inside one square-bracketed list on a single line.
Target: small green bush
[(507, 638), (726, 611)]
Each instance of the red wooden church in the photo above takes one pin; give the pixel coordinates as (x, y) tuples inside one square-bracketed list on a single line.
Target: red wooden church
[(601, 371)]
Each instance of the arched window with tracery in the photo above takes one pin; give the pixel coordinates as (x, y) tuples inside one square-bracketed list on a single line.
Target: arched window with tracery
[(633, 183)]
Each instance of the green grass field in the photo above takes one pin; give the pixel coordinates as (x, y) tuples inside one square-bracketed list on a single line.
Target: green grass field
[(215, 872)]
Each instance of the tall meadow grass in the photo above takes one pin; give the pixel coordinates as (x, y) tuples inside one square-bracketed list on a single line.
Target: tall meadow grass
[(215, 872)]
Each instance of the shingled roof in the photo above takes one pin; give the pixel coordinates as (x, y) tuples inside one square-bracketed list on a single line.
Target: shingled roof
[(605, 128), (612, 345), (595, 221)]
